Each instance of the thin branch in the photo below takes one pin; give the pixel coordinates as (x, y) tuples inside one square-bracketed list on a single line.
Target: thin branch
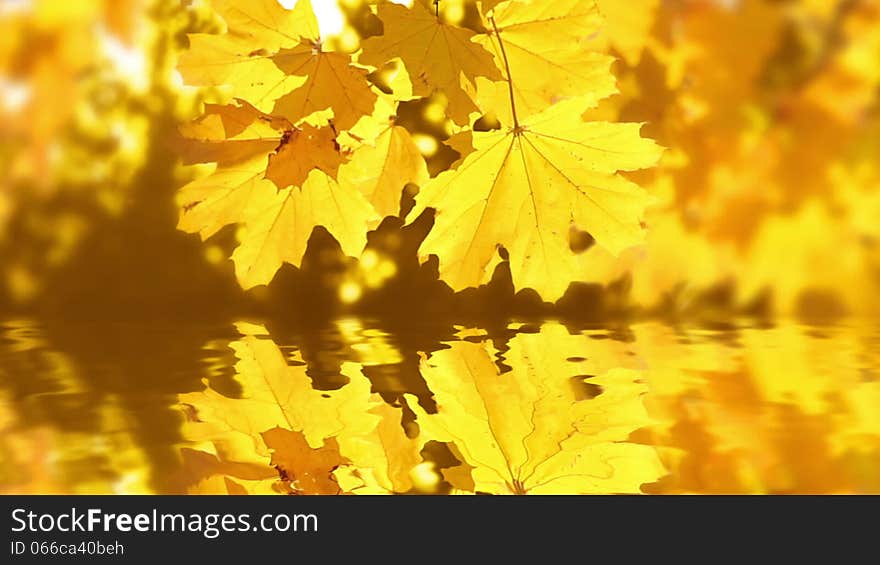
[(509, 76)]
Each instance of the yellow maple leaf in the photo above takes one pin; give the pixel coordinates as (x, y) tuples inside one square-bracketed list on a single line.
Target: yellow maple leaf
[(279, 231), (381, 461), (239, 138), (544, 45), (382, 156), (380, 171), (222, 198), (438, 56), (276, 394), (275, 58), (523, 188), (331, 82), (250, 147), (241, 57), (525, 431), (307, 431)]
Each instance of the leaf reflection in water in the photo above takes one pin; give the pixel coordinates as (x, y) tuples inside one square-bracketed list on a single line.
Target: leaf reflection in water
[(526, 429), (282, 420)]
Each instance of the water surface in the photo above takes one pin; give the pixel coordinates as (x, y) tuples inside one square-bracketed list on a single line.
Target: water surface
[(741, 408)]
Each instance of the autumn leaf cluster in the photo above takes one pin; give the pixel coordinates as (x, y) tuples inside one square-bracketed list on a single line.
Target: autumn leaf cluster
[(309, 138), (522, 426)]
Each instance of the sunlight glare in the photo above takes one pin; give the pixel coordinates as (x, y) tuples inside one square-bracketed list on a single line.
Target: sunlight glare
[(331, 20), (129, 62), (14, 95)]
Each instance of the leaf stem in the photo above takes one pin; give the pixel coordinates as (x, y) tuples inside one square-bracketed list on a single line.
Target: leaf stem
[(509, 76)]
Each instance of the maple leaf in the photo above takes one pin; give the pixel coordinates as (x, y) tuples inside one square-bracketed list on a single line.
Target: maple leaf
[(306, 469), (302, 151), (380, 171), (331, 82), (251, 149), (279, 231), (275, 59), (276, 394), (222, 198), (524, 188), (525, 431), (437, 55), (544, 44), (350, 427), (241, 57), (381, 461), (382, 156), (241, 140)]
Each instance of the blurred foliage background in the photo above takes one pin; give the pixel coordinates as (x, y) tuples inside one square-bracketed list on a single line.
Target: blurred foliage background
[(766, 199)]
